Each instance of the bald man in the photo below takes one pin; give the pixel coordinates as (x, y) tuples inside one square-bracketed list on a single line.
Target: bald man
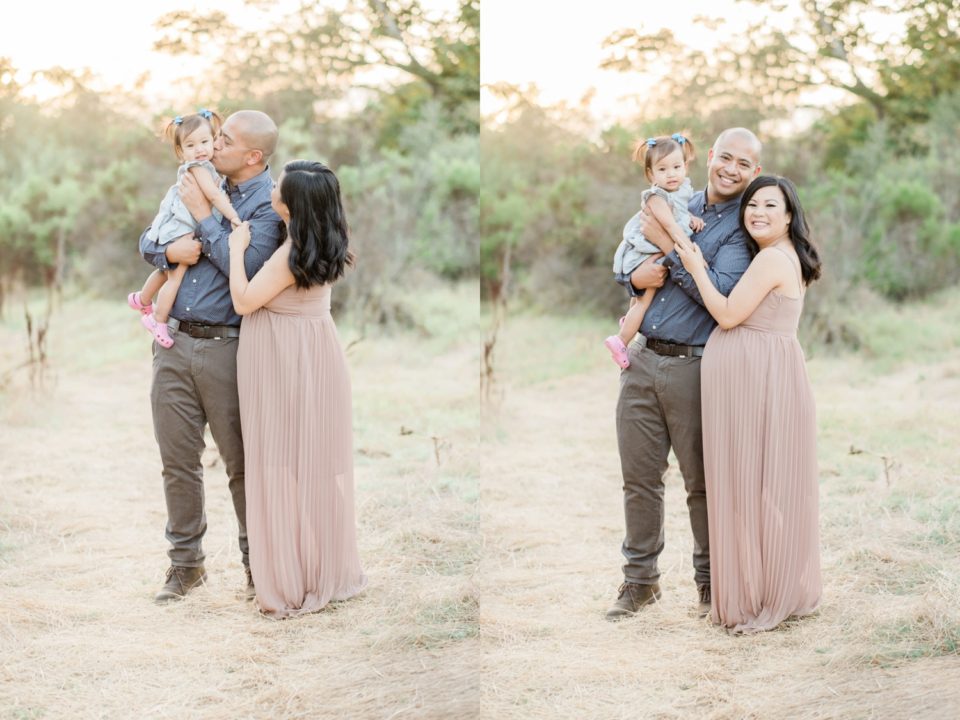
[(195, 381), (659, 404)]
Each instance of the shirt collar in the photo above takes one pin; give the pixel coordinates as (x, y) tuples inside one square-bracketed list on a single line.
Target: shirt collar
[(253, 183), (723, 207)]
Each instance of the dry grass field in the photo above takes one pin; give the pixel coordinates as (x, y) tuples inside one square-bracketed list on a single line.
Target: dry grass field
[(886, 639), (82, 549), (491, 570)]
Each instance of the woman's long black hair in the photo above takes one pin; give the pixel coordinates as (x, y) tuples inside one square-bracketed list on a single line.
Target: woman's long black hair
[(319, 251), (799, 231)]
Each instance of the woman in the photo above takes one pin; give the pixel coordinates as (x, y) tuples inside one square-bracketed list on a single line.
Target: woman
[(759, 424), (295, 406)]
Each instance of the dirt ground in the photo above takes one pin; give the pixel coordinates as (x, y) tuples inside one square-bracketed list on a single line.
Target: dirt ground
[(82, 550), (885, 641)]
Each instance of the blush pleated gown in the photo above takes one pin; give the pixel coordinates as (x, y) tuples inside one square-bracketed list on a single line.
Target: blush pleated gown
[(759, 442), (296, 414)]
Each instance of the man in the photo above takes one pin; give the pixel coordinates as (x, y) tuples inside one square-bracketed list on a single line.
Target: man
[(195, 381), (659, 403)]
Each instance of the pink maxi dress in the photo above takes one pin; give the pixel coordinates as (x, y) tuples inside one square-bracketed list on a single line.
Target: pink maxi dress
[(760, 461), (295, 410)]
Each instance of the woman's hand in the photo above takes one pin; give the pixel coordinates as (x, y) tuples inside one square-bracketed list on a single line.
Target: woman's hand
[(690, 255), (240, 238)]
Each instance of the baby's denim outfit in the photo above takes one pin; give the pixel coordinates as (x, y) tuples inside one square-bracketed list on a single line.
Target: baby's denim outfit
[(635, 248), (174, 220)]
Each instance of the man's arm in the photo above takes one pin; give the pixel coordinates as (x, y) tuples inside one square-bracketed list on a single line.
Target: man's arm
[(166, 257), (724, 269), (264, 240)]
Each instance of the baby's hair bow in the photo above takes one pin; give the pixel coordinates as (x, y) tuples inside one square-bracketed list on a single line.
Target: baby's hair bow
[(651, 142), (204, 113), (177, 120), (679, 138)]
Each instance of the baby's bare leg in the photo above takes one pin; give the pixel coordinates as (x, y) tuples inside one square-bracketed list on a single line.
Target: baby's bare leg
[(168, 293), (634, 316), (152, 286)]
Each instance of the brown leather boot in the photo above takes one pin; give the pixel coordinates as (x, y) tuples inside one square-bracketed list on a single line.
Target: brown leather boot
[(632, 597), (180, 580), (250, 591), (703, 608)]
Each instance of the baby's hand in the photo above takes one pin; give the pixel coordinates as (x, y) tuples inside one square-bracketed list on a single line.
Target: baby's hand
[(696, 224)]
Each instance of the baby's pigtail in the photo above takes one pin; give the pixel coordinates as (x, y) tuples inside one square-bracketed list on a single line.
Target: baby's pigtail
[(686, 145), (640, 150)]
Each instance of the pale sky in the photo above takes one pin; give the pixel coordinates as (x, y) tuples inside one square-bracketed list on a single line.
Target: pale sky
[(114, 38), (557, 46)]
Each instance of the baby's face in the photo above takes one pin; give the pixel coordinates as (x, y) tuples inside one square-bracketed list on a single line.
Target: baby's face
[(669, 171), (198, 145)]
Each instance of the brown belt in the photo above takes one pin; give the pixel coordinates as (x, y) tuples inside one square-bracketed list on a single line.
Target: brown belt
[(199, 330), (668, 348)]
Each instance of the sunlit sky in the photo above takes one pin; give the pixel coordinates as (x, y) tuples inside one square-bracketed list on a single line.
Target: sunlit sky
[(114, 39), (558, 46)]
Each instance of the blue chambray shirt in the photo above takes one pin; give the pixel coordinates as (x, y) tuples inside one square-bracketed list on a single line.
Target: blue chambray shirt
[(204, 295), (677, 314)]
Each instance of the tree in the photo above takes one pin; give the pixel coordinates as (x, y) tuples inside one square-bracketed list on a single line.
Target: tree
[(830, 43), (323, 51)]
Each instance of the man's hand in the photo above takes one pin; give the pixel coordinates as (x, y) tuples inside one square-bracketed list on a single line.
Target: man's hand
[(184, 250), (193, 198), (649, 275)]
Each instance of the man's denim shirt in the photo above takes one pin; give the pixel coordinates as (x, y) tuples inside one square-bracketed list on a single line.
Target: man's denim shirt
[(204, 295), (677, 314)]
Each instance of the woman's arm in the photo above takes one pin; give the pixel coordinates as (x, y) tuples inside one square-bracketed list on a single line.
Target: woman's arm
[(767, 272), (217, 197), (270, 280)]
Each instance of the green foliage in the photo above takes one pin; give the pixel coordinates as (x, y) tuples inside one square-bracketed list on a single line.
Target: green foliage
[(61, 190), (411, 209), (552, 208), (889, 220), (840, 132)]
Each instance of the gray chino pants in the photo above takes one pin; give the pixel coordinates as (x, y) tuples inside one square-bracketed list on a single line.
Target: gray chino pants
[(195, 383), (659, 407)]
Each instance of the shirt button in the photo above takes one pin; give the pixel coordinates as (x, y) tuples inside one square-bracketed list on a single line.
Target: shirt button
[(188, 309), (661, 299), (654, 327), (194, 279)]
